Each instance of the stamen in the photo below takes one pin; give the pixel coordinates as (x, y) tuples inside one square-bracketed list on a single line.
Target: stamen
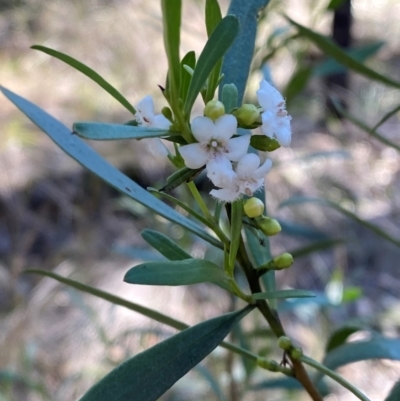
[(214, 144)]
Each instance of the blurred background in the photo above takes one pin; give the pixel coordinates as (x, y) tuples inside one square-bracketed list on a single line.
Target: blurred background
[(56, 342)]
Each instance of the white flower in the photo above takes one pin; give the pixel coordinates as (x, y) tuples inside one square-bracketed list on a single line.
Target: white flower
[(146, 117), (215, 143), (247, 179), (275, 120)]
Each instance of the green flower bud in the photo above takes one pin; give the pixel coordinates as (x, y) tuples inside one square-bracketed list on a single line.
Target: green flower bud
[(253, 207), (167, 113), (267, 364), (247, 114), (285, 343), (214, 109), (268, 226), (296, 353), (283, 261)]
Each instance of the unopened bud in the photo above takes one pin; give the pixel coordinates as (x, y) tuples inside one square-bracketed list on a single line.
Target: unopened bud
[(285, 343), (268, 226), (267, 364), (253, 207), (214, 109), (247, 114), (296, 353), (283, 261), (167, 113)]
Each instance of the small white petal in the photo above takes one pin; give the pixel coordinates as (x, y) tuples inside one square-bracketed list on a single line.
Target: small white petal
[(160, 121), (156, 147), (203, 129), (226, 195), (282, 131), (145, 109), (237, 147), (268, 120), (193, 155), (225, 127), (220, 172), (263, 169), (247, 165), (268, 96)]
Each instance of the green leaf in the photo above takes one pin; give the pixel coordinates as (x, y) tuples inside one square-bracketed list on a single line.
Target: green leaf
[(334, 51), (190, 61), (180, 272), (213, 15), (334, 4), (88, 158), (282, 294), (151, 373), (236, 230), (164, 245), (229, 97), (89, 73), (325, 202), (315, 247), (180, 176), (237, 61), (394, 393), (111, 132), (376, 348), (213, 18), (216, 46), (298, 82), (150, 313), (386, 117), (171, 11), (329, 67), (263, 143), (340, 336), (360, 124)]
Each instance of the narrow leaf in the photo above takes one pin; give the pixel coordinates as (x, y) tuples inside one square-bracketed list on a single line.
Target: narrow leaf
[(229, 97), (283, 294), (164, 245), (263, 143), (213, 18), (386, 117), (189, 61), (340, 336), (298, 82), (171, 11), (151, 373), (150, 313), (237, 61), (179, 272), (360, 124), (111, 132), (334, 51), (88, 158), (376, 348), (89, 73), (315, 247), (236, 230), (218, 43), (325, 202), (213, 15)]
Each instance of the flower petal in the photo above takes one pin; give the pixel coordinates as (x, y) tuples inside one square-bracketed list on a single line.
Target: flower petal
[(268, 120), (156, 147), (193, 155), (282, 131), (226, 195), (263, 169), (237, 147), (220, 172), (203, 129), (145, 108), (159, 121), (268, 96), (247, 165), (225, 127)]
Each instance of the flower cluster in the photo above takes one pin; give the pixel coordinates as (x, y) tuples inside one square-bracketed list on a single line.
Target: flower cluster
[(225, 155)]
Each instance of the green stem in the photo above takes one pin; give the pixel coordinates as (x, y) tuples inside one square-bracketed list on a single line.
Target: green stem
[(333, 375)]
